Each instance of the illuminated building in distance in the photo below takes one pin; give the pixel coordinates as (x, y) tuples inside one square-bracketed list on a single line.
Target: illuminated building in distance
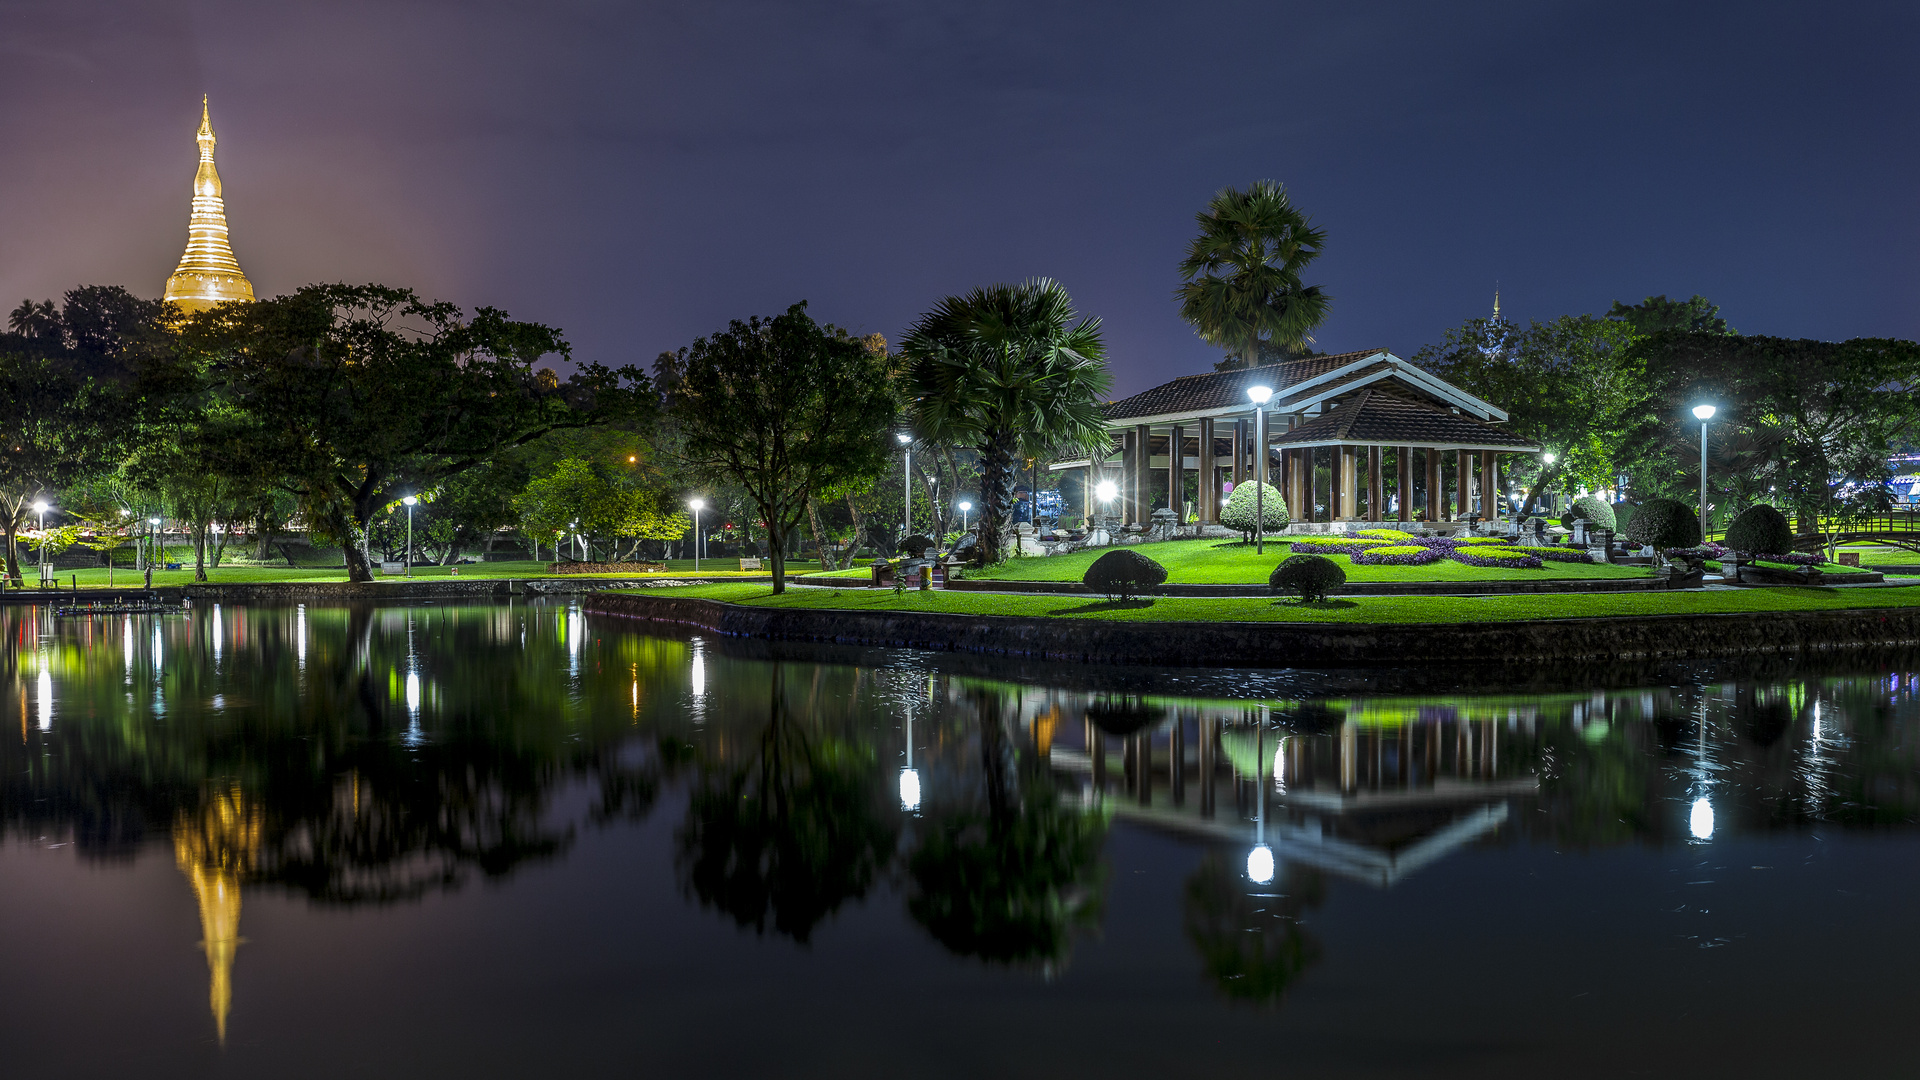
[(208, 273)]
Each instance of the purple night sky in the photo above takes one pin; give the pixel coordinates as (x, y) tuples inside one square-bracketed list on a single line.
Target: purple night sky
[(637, 174)]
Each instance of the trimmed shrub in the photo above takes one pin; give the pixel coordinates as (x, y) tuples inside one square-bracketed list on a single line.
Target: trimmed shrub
[(1664, 523), (1123, 574), (1397, 555), (1622, 513), (915, 546), (1334, 545), (1481, 555), (1312, 577), (1385, 534), (1593, 508), (1238, 513), (1760, 530)]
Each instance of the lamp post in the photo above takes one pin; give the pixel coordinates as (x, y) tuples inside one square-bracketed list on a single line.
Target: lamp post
[(40, 507), (153, 542), (906, 484), (1703, 413), (410, 500), (698, 505), (965, 508), (1259, 396)]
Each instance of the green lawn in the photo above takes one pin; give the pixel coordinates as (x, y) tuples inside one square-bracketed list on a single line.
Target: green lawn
[(1225, 562), (123, 577), (1411, 609)]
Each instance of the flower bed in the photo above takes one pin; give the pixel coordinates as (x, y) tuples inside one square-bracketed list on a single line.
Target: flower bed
[(1395, 535), (1334, 545), (1449, 543), (1397, 555), (1506, 556), (1556, 554)]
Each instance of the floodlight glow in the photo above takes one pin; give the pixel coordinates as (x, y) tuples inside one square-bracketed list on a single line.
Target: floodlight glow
[(1700, 821), (1106, 491), (697, 504), (1260, 864), (410, 500), (904, 438), (1259, 394), (153, 521), (909, 789), (965, 506), (41, 507), (1547, 457), (1703, 412)]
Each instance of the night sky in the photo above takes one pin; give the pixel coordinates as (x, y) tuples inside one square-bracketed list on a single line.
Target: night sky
[(637, 174)]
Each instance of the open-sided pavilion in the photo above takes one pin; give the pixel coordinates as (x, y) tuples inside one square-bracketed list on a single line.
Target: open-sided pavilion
[(1390, 439)]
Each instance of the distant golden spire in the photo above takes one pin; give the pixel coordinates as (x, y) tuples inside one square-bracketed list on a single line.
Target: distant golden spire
[(213, 849), (1496, 303), (208, 273)]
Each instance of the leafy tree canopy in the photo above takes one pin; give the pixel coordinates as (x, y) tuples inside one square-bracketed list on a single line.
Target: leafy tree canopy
[(1696, 315), (1243, 271)]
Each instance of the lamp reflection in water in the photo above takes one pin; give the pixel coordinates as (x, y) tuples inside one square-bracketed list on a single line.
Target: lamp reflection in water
[(1700, 820), (909, 776), (45, 693), (1260, 859)]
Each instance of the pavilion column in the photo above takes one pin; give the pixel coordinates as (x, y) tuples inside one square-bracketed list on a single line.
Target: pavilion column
[(1490, 485), (1208, 487), (1436, 497), (1463, 480), (1403, 482), (1349, 482), (1239, 452), (1142, 474), (1177, 473), (1376, 488)]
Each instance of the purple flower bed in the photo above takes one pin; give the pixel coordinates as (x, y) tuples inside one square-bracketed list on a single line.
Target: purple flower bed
[(1792, 558), (1450, 543), (1397, 555), (1521, 561)]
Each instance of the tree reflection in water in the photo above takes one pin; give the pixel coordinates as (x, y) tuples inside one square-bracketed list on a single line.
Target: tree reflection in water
[(1006, 872), (791, 833), (1251, 944)]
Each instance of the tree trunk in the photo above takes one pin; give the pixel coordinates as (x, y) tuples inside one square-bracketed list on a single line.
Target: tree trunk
[(996, 497), (199, 551), (819, 539), (13, 550), (859, 529), (776, 551)]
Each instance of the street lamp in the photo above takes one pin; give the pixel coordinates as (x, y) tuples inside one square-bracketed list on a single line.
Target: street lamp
[(1259, 396), (965, 508), (410, 500), (40, 507), (698, 505), (906, 483), (1703, 413), (153, 541)]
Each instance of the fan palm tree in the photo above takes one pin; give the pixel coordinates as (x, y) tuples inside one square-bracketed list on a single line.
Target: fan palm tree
[(1243, 271), (1012, 371)]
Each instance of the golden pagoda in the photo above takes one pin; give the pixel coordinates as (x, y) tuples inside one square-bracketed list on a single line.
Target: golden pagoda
[(214, 848), (208, 273)]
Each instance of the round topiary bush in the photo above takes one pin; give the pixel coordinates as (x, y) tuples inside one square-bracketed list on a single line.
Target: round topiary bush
[(1622, 516), (1760, 530), (1310, 576), (915, 546), (1664, 523), (1123, 574), (1238, 513), (1597, 511)]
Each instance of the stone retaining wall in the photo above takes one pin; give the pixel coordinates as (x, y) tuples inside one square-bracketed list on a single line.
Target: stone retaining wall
[(1245, 644)]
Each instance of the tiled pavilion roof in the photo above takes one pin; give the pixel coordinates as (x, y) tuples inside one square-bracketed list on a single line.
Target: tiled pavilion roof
[(1373, 418), (1226, 389)]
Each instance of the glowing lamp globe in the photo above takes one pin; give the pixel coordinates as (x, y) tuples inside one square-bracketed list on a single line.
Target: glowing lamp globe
[(1703, 412), (1259, 394), (1106, 491)]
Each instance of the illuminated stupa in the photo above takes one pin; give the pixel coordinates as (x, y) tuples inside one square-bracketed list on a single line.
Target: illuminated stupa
[(215, 848), (208, 273)]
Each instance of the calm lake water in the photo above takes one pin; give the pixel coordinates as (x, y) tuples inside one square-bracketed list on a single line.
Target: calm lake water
[(519, 840)]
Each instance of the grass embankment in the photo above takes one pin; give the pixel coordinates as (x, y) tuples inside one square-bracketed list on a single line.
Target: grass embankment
[(1228, 562), (125, 577), (1365, 609)]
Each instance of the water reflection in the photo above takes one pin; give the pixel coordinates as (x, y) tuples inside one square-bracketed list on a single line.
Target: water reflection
[(372, 756)]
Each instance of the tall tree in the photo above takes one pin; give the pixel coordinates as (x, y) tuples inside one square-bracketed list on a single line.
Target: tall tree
[(1569, 385), (1014, 372), (785, 408), (361, 394), (1696, 315), (57, 430), (1243, 288)]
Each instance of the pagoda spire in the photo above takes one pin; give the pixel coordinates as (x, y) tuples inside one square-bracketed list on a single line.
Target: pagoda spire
[(208, 273)]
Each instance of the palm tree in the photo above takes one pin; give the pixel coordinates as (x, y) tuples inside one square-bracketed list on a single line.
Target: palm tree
[(1243, 287), (1008, 370)]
